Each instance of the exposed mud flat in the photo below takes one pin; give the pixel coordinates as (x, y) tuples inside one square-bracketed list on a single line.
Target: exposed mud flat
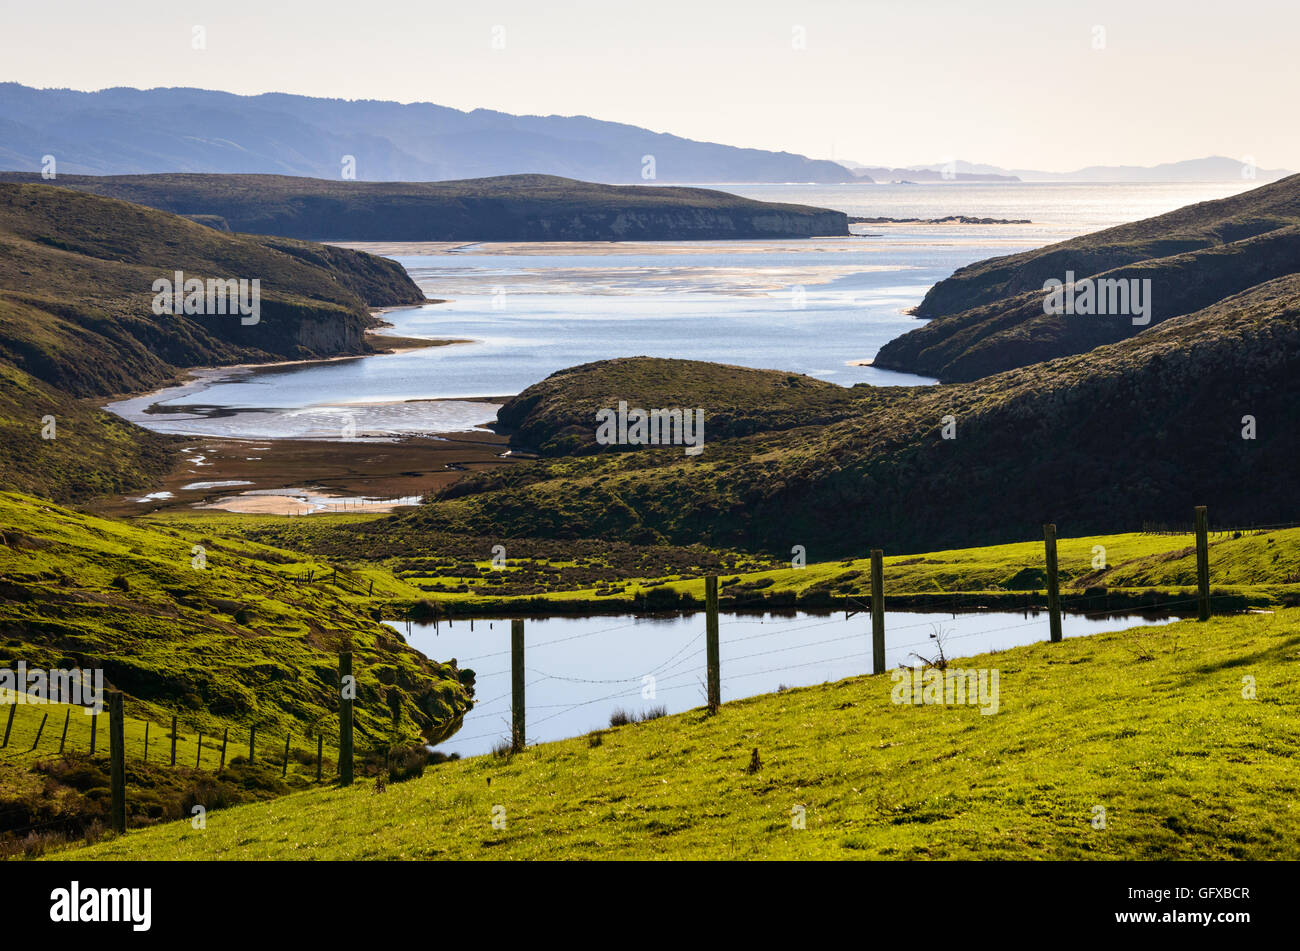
[(294, 477)]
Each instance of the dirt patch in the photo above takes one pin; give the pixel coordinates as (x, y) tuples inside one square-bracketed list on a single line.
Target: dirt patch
[(403, 468)]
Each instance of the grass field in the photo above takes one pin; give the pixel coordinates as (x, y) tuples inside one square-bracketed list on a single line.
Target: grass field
[(1154, 726), (1251, 568)]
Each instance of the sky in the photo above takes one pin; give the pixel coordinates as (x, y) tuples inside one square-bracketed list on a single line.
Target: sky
[(1044, 85)]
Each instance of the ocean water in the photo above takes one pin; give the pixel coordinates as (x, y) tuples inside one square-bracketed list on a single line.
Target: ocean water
[(821, 306), (1058, 210)]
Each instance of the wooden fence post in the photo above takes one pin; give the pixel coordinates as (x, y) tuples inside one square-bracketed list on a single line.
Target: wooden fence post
[(9, 724), (713, 661), (252, 743), (117, 763), (146, 741), (284, 768), (1202, 563), (320, 749), (225, 736), (94, 730), (198, 754), (877, 611), (64, 738), (347, 688), (518, 736), (39, 730), (173, 741), (1053, 582)]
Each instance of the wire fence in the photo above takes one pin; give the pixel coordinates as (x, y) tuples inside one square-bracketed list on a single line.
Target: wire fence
[(669, 670), (1189, 528), (31, 728), (87, 728)]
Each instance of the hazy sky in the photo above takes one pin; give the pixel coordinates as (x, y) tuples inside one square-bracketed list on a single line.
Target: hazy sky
[(1007, 82)]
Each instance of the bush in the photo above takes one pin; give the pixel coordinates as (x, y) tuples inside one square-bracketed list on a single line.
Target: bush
[(662, 597), (424, 610)]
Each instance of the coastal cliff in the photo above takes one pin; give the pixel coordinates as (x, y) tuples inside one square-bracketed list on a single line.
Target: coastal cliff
[(77, 320), (505, 208), (77, 276)]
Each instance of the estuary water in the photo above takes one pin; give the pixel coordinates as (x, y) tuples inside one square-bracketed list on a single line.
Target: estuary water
[(818, 306)]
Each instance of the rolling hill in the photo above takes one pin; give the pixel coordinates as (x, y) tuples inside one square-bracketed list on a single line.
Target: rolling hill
[(242, 641), (246, 639)]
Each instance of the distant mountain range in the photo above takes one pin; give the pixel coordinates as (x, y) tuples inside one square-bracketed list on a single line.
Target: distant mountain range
[(954, 171), (1216, 168), (124, 131), (131, 131)]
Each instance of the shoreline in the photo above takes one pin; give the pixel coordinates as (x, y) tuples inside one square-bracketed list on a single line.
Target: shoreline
[(192, 380)]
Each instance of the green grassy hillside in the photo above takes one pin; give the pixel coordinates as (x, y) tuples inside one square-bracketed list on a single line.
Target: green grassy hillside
[(222, 634), (1149, 725), (989, 316), (503, 208), (90, 453), (237, 638)]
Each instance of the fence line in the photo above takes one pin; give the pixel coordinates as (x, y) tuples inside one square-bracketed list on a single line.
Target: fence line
[(878, 639), (117, 751)]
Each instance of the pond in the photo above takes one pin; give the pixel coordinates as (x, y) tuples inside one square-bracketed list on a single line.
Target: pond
[(581, 669)]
